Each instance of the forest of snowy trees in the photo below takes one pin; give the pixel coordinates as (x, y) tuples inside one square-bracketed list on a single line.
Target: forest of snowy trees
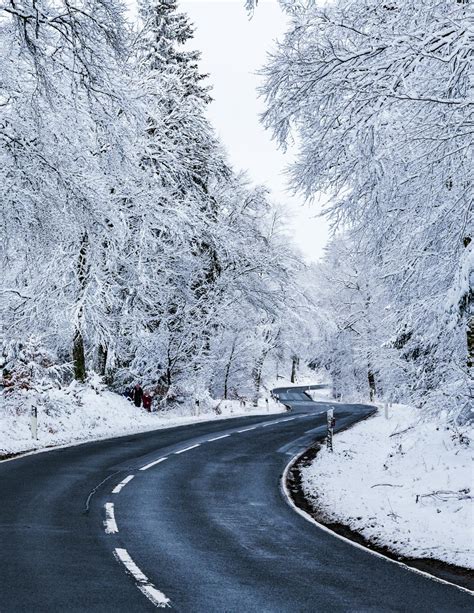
[(380, 98), (131, 249)]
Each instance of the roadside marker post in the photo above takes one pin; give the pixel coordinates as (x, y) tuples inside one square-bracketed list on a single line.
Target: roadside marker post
[(34, 422), (331, 422)]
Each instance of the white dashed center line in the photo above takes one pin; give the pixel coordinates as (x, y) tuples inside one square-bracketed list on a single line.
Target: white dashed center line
[(217, 438), (147, 466), (110, 524), (118, 488), (143, 583), (154, 595), (187, 449)]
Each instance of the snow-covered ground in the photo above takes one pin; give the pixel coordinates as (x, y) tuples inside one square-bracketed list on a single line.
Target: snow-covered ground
[(402, 484), (321, 395), (82, 413), (305, 376)]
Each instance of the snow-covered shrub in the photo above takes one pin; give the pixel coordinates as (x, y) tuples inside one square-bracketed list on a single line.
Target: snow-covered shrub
[(28, 365)]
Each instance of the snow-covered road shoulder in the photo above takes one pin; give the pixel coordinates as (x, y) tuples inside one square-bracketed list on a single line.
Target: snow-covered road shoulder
[(80, 414), (401, 484)]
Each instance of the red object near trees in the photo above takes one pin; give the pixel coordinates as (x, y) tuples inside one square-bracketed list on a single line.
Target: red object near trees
[(147, 400)]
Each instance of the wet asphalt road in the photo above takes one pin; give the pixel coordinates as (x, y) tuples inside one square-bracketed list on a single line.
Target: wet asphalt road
[(208, 527)]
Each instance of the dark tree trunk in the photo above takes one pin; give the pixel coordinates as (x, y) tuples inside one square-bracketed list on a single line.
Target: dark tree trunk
[(370, 369), (227, 370), (372, 387), (78, 356), (102, 353), (294, 366), (470, 335), (78, 353), (470, 317)]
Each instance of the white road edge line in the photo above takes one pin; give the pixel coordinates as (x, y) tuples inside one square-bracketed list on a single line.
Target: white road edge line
[(308, 517), (118, 488), (187, 449), (110, 524), (148, 589), (217, 438), (247, 429), (154, 463)]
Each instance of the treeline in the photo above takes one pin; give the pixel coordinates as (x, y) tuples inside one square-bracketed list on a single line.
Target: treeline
[(130, 248), (380, 97)]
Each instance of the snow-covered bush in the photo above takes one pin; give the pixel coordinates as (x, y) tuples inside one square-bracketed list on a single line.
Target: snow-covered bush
[(28, 365)]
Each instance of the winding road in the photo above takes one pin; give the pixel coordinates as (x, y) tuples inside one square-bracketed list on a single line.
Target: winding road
[(192, 517)]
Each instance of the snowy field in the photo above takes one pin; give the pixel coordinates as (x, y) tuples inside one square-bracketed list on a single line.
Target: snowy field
[(79, 414), (401, 484)]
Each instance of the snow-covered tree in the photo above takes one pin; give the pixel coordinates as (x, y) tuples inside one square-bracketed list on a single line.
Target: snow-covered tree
[(380, 96), (130, 246)]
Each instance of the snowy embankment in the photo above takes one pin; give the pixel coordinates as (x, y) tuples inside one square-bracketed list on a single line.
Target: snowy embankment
[(82, 413), (306, 377), (400, 483)]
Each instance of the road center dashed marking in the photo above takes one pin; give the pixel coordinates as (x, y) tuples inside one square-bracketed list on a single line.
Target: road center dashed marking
[(154, 463), (143, 583), (187, 449), (217, 438), (154, 595), (118, 488), (110, 524)]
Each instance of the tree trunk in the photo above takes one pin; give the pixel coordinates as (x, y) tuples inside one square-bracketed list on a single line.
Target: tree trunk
[(336, 376), (102, 353), (370, 344), (78, 353), (371, 379), (257, 378), (294, 365), (227, 370), (78, 356), (470, 317), (470, 330)]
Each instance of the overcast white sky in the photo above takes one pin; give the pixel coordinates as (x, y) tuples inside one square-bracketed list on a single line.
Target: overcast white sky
[(233, 48)]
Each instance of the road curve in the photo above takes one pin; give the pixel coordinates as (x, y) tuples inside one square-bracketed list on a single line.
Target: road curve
[(84, 529)]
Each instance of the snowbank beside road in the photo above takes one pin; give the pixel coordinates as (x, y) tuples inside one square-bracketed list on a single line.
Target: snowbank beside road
[(402, 484), (82, 413)]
